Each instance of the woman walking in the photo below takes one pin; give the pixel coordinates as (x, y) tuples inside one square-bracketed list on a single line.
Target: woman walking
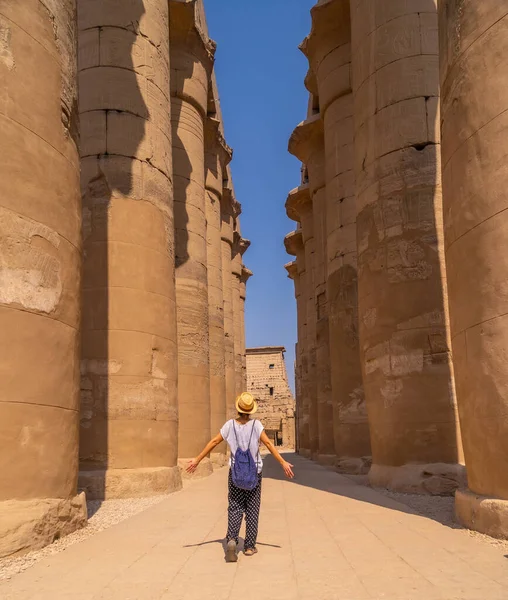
[(243, 436)]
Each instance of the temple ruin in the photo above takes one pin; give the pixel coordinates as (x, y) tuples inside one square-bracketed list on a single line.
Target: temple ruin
[(398, 271), (267, 381), (122, 275), (122, 283)]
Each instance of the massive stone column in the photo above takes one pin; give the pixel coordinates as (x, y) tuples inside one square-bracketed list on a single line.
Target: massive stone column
[(40, 256), (293, 274), (295, 246), (246, 275), (227, 209), (307, 144), (404, 344), (474, 105), (240, 246), (299, 208), (129, 411), (328, 49), (217, 156), (191, 66)]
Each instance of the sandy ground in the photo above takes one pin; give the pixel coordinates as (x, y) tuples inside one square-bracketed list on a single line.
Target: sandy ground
[(101, 515), (104, 514), (438, 508)]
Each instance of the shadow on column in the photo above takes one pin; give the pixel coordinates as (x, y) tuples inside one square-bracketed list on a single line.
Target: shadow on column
[(105, 176)]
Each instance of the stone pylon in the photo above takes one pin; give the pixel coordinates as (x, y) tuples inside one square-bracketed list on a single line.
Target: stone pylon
[(227, 216), (40, 256), (240, 245), (307, 144), (217, 156), (299, 208), (129, 413), (191, 67), (246, 275), (328, 48), (474, 116), (404, 343), (295, 246)]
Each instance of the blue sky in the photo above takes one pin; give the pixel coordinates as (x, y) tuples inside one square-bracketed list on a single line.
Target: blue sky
[(260, 74)]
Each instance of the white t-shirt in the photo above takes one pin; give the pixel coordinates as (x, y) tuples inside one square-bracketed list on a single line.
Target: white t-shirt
[(243, 432)]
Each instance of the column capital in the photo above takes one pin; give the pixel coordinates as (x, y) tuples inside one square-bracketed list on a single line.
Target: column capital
[(328, 45), (230, 205), (293, 242), (331, 28), (299, 203), (311, 82), (292, 269), (192, 55), (244, 245), (307, 137), (246, 274), (185, 26), (215, 142)]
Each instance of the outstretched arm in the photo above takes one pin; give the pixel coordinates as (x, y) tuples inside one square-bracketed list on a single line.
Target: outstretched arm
[(214, 442), (283, 463)]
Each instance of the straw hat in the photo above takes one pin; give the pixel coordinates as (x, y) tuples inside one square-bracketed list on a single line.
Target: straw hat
[(246, 404)]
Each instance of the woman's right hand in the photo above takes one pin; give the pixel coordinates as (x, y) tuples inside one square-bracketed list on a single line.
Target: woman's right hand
[(192, 466), (288, 470)]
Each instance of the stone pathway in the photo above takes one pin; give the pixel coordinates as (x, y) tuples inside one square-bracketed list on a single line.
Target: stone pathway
[(322, 537)]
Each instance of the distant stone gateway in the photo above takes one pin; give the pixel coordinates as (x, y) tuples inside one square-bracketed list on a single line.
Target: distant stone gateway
[(267, 381)]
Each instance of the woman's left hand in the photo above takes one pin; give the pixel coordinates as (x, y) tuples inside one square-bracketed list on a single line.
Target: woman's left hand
[(192, 466), (288, 470)]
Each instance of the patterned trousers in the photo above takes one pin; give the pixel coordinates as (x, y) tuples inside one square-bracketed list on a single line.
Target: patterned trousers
[(240, 502)]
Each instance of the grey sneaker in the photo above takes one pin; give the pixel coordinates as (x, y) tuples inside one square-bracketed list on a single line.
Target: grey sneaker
[(231, 555)]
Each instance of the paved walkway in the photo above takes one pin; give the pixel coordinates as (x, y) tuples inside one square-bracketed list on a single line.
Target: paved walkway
[(322, 537)]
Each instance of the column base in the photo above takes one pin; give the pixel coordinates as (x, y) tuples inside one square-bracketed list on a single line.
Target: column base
[(219, 460), (304, 452), (435, 479), (205, 468), (481, 513), (354, 466), (27, 525), (109, 484), (327, 460)]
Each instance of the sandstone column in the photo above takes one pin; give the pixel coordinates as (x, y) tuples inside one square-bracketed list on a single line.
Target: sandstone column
[(240, 246), (129, 412), (40, 255), (228, 202), (295, 246), (404, 344), (191, 66), (217, 156), (292, 270), (474, 103), (328, 49), (246, 275), (299, 208), (307, 143)]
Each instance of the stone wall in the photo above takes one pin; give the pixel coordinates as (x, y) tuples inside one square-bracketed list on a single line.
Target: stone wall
[(267, 381), (121, 311)]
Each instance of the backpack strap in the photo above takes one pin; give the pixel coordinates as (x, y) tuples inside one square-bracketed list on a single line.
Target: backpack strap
[(252, 431)]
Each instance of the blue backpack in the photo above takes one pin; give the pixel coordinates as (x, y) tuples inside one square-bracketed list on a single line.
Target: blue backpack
[(244, 471)]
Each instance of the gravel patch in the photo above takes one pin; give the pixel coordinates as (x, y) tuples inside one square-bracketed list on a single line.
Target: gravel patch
[(438, 508), (101, 515)]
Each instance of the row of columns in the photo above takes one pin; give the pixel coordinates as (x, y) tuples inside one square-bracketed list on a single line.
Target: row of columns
[(123, 314), (405, 267)]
